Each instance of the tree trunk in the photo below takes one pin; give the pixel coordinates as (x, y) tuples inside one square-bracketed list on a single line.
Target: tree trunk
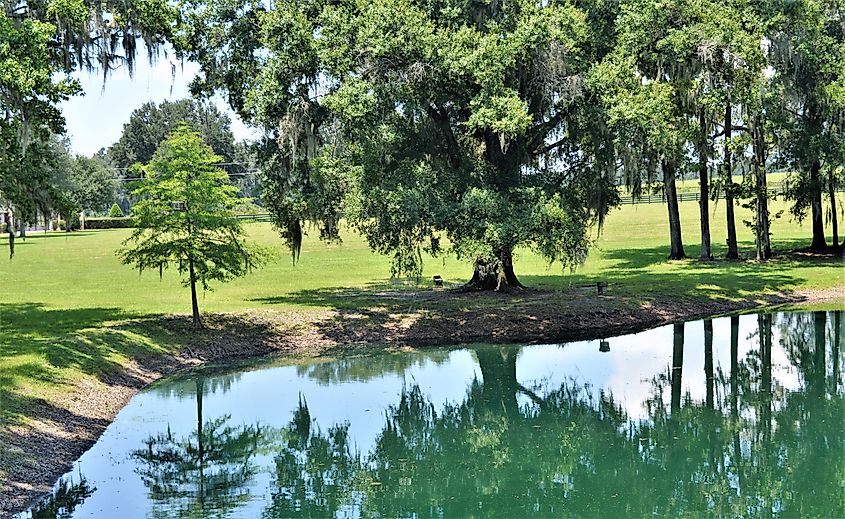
[(8, 226), (763, 245), (497, 275), (704, 184), (194, 305), (733, 252), (831, 189), (676, 241), (819, 242), (22, 229)]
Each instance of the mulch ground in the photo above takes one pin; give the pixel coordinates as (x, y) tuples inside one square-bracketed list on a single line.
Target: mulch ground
[(34, 455)]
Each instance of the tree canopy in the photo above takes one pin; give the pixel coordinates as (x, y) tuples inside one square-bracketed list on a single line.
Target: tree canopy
[(424, 124), (185, 217)]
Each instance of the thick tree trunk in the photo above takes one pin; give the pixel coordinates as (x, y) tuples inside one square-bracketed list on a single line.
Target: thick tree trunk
[(194, 305), (762, 240), (496, 275), (22, 229), (733, 252), (819, 242), (704, 185), (834, 221), (675, 239)]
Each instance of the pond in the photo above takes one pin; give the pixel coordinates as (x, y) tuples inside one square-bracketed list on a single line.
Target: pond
[(730, 417)]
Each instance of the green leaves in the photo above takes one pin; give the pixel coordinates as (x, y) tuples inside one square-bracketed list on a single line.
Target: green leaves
[(186, 216)]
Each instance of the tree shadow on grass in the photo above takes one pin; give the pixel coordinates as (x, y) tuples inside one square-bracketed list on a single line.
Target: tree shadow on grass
[(644, 291), (41, 235), (42, 349)]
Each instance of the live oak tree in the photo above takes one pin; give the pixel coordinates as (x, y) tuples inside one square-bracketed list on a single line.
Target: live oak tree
[(185, 218), (469, 122)]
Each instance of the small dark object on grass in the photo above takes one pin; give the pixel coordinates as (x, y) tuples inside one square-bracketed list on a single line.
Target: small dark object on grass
[(438, 281), (601, 286), (604, 346)]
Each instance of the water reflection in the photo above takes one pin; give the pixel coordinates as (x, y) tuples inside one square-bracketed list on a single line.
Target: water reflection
[(205, 474), (64, 499), (739, 417)]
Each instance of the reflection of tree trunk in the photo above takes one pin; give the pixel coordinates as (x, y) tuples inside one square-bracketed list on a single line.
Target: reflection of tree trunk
[(708, 361), (764, 323), (677, 365), (820, 367), (498, 369), (735, 397), (200, 444), (837, 332), (710, 415), (676, 241)]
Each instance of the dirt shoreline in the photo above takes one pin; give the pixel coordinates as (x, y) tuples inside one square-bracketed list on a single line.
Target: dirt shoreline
[(37, 454)]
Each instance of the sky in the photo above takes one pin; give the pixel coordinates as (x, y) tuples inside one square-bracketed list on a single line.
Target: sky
[(95, 120)]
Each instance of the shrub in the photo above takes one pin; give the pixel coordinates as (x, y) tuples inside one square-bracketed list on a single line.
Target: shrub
[(58, 225), (115, 211), (110, 223)]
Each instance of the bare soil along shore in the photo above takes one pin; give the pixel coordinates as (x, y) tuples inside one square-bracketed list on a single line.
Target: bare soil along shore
[(34, 455)]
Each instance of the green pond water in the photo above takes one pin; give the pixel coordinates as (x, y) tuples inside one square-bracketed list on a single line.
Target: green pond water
[(734, 417)]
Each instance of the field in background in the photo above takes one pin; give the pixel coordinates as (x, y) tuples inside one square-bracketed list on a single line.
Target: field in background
[(65, 296), (80, 270)]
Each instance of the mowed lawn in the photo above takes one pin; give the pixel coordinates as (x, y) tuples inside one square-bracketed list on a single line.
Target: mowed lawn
[(80, 270), (66, 297)]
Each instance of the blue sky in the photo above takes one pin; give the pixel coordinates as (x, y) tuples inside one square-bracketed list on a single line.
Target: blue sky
[(95, 120)]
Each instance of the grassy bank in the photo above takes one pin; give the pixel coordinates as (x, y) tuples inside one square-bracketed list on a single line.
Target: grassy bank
[(64, 293)]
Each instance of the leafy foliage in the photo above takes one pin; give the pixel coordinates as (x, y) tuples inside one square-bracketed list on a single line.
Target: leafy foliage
[(425, 124), (185, 216)]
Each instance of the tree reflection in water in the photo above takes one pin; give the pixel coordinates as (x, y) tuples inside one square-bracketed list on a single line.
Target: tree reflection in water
[(64, 499), (203, 475), (750, 447)]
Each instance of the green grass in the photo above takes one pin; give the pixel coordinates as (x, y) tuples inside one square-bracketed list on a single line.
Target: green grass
[(67, 299)]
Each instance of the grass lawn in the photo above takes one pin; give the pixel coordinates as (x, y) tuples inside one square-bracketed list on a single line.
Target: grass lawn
[(63, 293)]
